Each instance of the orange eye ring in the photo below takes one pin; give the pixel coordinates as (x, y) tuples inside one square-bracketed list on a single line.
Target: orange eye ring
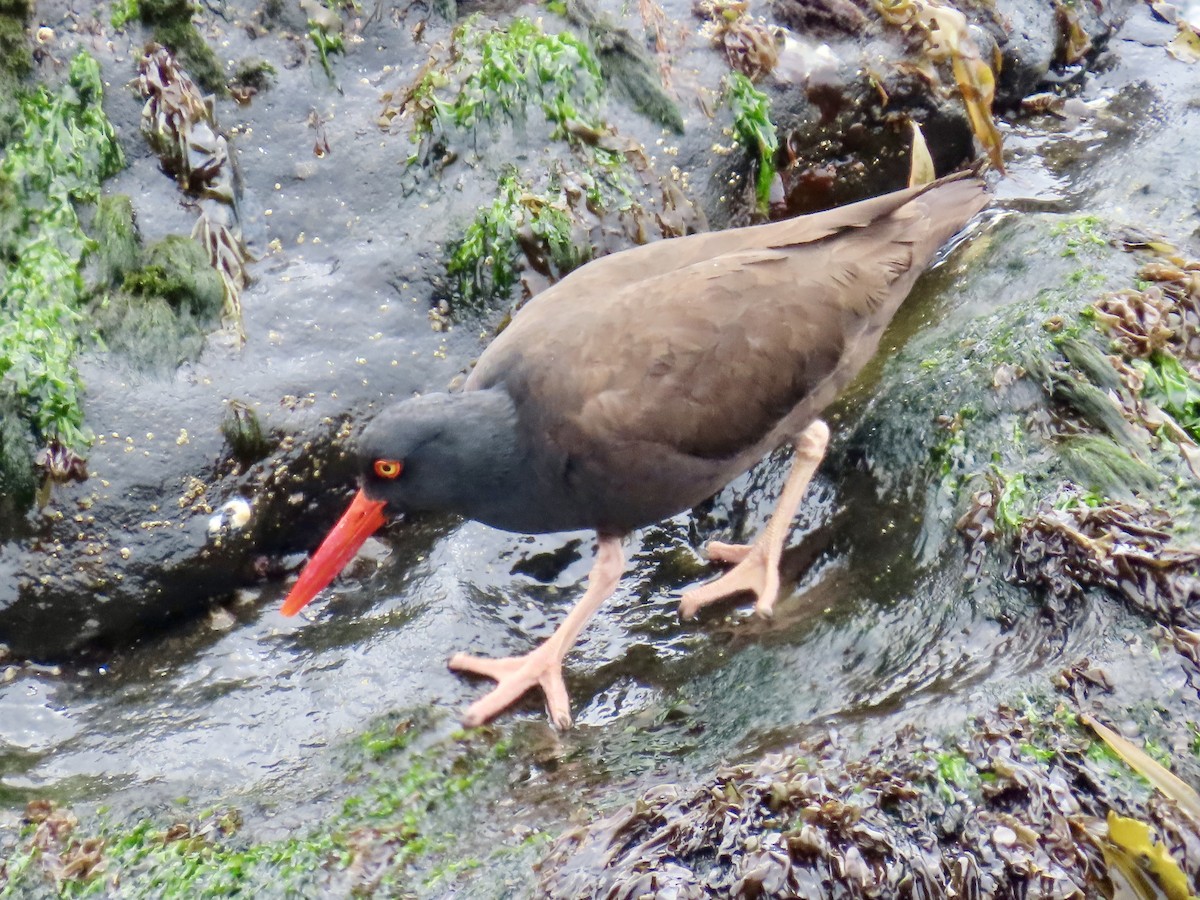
[(388, 468)]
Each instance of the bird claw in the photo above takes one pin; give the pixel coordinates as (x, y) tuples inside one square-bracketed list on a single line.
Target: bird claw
[(514, 675), (730, 554), (754, 573)]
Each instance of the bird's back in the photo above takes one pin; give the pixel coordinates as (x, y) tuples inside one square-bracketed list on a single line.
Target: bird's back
[(652, 377)]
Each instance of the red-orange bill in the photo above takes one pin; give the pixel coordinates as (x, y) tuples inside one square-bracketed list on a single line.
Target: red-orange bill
[(362, 519)]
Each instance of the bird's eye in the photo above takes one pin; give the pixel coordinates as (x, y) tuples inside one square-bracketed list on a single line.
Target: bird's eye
[(388, 468)]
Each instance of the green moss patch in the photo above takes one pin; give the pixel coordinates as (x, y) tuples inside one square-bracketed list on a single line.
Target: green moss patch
[(164, 305), (118, 245)]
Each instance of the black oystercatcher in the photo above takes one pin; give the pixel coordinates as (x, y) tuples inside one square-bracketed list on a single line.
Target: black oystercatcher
[(643, 383)]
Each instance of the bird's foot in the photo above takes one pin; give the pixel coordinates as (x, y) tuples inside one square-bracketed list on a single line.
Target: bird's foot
[(514, 675), (755, 573)]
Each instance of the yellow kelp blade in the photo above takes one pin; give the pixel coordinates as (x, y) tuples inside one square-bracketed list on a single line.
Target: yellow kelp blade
[(1136, 851), (921, 168)]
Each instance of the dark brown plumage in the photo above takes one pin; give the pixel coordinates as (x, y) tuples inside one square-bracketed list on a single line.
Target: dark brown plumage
[(643, 383)]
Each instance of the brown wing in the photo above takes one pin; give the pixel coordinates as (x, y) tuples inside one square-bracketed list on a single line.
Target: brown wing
[(705, 357)]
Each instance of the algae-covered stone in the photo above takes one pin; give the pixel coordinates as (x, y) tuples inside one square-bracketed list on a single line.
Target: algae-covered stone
[(15, 58), (116, 236), (244, 434), (17, 482), (413, 788), (159, 316), (1011, 411), (15, 61), (178, 270), (627, 69), (173, 27), (254, 72), (146, 330)]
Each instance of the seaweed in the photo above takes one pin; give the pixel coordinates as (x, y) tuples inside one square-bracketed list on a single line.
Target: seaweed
[(749, 44), (178, 123), (497, 73), (754, 130), (483, 264), (945, 35), (366, 847), (68, 148), (995, 812)]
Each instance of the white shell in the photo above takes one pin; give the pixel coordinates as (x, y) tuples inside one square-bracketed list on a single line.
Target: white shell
[(233, 515)]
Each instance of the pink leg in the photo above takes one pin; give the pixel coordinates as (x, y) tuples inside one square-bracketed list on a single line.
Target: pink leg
[(757, 564), (515, 675)]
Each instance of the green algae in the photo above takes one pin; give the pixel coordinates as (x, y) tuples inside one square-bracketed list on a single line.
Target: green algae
[(156, 303), (16, 62), (403, 779), (496, 74), (1107, 470), (122, 12), (1173, 388), (1082, 234), (325, 32), (483, 265), (178, 270), (18, 487), (164, 305), (244, 435), (1033, 431), (118, 244), (67, 148), (627, 69), (254, 73), (754, 130)]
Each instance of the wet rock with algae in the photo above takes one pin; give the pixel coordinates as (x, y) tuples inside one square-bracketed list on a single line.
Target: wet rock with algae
[(997, 813)]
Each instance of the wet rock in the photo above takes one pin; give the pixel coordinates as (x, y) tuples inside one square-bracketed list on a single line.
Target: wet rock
[(338, 323)]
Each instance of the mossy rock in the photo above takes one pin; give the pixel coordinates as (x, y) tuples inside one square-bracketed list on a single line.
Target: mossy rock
[(163, 309), (628, 71), (15, 62), (254, 72), (118, 246), (15, 57), (178, 270), (1002, 413), (18, 486), (171, 21), (147, 331), (945, 385), (14, 217)]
